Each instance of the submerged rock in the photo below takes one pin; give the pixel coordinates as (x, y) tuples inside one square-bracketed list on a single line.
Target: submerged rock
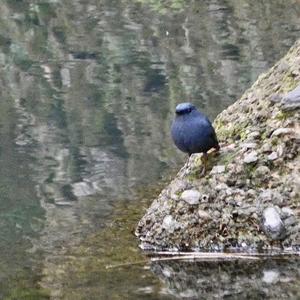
[(251, 195)]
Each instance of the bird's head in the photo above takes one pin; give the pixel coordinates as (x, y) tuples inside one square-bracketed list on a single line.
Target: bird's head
[(184, 108)]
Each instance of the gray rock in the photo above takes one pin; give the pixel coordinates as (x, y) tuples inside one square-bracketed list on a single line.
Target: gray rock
[(262, 171), (291, 100), (250, 157), (204, 215), (281, 131), (272, 224), (191, 197), (267, 147), (273, 156), (254, 135), (270, 276), (170, 224), (249, 146), (240, 206), (178, 186), (286, 211), (218, 169), (290, 221), (221, 186)]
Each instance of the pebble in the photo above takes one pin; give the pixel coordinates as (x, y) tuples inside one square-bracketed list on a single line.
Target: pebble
[(262, 171), (267, 147), (170, 224), (192, 197), (272, 224), (270, 276), (281, 131), (254, 135), (250, 157), (249, 145), (291, 100), (273, 156), (218, 169), (203, 214), (221, 186), (287, 211)]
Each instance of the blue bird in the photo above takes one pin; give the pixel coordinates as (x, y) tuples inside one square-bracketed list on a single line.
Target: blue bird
[(192, 132)]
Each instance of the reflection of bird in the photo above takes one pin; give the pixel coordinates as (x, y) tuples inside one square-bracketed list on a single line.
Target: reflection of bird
[(192, 132)]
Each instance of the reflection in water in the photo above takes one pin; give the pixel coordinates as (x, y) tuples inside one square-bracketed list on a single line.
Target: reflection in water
[(263, 279), (88, 90)]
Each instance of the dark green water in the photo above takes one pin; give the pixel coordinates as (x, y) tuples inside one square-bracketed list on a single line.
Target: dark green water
[(88, 90)]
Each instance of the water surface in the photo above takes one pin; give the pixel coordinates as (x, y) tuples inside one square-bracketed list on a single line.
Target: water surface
[(88, 90)]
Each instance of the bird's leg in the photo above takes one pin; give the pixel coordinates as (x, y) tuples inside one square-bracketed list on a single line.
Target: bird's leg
[(204, 159)]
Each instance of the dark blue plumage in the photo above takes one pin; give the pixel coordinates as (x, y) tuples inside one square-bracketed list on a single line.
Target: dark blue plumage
[(192, 132)]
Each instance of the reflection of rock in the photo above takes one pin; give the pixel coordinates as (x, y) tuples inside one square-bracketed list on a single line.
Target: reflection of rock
[(262, 279), (81, 189), (241, 201)]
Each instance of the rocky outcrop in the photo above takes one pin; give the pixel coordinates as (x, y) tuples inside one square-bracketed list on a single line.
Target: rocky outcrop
[(249, 198)]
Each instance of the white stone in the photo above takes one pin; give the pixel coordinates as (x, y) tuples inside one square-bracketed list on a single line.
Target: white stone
[(271, 217), (170, 224), (253, 135), (273, 156), (287, 211), (270, 276), (250, 157), (272, 223), (217, 169), (191, 196), (281, 131), (203, 215), (249, 145)]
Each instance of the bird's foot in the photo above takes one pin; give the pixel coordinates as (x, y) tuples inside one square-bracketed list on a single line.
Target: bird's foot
[(203, 172), (204, 162)]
